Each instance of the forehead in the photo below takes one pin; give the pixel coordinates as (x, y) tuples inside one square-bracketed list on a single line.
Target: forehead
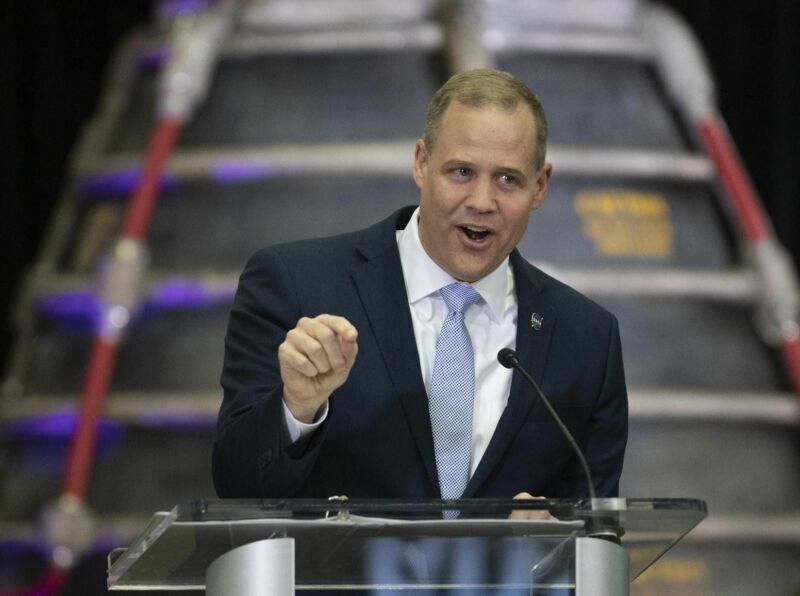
[(487, 130)]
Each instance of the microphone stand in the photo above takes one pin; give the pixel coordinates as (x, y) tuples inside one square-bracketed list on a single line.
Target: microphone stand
[(596, 527)]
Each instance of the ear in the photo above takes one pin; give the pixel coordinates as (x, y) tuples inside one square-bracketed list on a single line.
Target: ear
[(420, 162), (542, 185)]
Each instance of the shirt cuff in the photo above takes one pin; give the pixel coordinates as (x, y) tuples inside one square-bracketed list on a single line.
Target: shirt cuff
[(296, 429)]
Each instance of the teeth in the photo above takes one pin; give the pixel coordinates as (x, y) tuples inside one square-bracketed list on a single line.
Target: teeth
[(475, 233)]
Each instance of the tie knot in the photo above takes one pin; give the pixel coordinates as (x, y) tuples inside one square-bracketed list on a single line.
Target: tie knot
[(458, 297)]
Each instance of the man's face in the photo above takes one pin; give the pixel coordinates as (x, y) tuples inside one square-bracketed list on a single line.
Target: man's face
[(478, 186)]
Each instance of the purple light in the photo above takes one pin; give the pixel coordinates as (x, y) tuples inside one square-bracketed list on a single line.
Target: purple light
[(38, 546), (182, 293), (23, 547), (83, 310), (177, 7), (74, 309), (73, 304), (121, 182), (124, 182), (178, 293), (154, 58), (178, 419), (232, 171), (60, 424)]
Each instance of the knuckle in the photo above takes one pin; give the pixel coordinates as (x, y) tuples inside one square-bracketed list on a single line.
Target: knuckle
[(316, 351), (326, 334)]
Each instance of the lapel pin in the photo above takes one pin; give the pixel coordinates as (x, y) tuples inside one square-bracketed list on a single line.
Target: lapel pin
[(536, 321)]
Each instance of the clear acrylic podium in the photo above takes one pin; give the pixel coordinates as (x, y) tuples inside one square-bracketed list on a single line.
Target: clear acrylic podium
[(381, 546)]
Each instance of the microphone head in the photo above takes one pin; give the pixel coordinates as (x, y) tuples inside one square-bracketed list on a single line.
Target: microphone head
[(507, 357)]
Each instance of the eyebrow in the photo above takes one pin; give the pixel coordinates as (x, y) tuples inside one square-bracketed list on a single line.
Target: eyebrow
[(457, 163), (463, 163)]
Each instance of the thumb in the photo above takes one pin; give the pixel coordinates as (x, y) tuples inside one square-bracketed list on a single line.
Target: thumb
[(349, 349)]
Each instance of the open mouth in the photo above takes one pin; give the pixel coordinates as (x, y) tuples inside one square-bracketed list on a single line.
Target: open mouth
[(474, 233)]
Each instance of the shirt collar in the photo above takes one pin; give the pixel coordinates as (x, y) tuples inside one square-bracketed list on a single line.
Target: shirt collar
[(424, 277)]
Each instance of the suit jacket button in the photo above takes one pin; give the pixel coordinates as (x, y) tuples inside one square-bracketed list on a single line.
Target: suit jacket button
[(264, 459)]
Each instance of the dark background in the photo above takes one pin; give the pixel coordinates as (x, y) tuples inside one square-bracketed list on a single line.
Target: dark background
[(53, 55)]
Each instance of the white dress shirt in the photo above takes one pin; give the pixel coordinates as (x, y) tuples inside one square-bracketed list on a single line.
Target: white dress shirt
[(491, 322)]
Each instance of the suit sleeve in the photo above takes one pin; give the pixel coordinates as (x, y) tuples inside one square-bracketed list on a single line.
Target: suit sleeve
[(252, 456), (605, 438)]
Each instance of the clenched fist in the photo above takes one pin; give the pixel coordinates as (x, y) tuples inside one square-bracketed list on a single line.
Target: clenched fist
[(315, 359)]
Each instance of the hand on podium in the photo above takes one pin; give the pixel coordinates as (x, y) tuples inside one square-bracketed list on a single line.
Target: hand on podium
[(530, 514)]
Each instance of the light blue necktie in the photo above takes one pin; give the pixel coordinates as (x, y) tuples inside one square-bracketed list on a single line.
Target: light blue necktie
[(452, 394)]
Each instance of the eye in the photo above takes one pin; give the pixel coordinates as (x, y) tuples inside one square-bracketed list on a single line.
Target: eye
[(508, 180), (459, 173)]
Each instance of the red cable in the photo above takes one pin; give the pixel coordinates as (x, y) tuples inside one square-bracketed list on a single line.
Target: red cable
[(96, 382), (51, 583), (103, 354), (102, 358), (140, 208), (747, 206), (738, 185), (791, 357)]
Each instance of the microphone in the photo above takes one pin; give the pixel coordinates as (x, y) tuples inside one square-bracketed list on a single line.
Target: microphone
[(508, 358)]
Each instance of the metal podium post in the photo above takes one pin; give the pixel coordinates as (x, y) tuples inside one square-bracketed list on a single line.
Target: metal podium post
[(601, 568), (263, 568)]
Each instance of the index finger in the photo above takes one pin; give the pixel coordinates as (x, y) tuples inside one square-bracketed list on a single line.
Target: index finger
[(343, 328)]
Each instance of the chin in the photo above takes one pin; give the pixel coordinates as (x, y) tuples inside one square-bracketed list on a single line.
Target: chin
[(468, 267), (470, 275)]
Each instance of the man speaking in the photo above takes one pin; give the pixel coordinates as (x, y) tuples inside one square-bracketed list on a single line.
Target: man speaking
[(366, 364)]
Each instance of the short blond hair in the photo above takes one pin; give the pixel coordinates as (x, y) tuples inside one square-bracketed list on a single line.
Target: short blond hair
[(481, 87)]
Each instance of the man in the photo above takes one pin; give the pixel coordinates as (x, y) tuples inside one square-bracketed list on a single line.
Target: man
[(349, 370)]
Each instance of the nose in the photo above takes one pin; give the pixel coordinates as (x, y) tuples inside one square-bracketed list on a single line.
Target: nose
[(481, 196)]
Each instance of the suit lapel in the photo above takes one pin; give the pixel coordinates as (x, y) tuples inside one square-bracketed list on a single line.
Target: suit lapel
[(380, 285), (531, 348)]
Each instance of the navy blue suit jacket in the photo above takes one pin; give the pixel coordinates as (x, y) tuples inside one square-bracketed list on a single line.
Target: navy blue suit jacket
[(376, 441)]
